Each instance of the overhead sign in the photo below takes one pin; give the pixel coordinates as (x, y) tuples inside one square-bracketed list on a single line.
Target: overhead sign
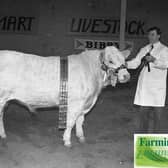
[(81, 44), (106, 26)]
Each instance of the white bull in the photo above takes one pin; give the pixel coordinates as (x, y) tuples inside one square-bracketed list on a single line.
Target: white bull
[(34, 81)]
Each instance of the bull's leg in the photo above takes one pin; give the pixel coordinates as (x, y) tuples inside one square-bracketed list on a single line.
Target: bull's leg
[(79, 129), (67, 136), (2, 130), (72, 116), (67, 133)]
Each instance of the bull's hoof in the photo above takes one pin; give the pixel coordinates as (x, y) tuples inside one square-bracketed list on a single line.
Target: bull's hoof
[(82, 139), (34, 116), (3, 141), (3, 136), (68, 144)]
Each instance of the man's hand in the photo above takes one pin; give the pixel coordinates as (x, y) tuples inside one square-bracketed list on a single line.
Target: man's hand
[(150, 58)]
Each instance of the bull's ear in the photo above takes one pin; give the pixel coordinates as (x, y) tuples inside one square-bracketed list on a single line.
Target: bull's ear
[(107, 50), (126, 53)]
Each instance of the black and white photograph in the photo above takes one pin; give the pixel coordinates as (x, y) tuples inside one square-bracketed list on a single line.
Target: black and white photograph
[(80, 80)]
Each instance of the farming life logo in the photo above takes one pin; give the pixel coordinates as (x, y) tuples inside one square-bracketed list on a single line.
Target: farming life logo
[(150, 150)]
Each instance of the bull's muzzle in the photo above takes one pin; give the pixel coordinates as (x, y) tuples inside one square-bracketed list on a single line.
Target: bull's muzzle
[(125, 79), (123, 76)]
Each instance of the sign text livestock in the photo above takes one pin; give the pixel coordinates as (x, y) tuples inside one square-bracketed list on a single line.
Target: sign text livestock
[(103, 26)]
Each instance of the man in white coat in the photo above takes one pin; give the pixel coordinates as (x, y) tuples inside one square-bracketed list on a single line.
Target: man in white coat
[(151, 87)]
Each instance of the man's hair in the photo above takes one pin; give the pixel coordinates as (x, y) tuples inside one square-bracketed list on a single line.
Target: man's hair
[(157, 29)]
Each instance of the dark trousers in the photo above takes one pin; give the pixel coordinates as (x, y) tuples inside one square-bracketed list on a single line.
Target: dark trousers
[(146, 115)]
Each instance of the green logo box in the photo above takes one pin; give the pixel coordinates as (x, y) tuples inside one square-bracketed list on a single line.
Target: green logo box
[(150, 150)]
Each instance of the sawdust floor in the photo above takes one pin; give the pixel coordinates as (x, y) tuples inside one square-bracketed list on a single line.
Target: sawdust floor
[(36, 143)]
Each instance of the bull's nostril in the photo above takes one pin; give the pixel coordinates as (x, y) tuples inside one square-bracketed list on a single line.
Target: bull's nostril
[(126, 78)]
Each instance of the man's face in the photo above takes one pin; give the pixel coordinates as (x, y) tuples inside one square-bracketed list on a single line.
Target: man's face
[(153, 36)]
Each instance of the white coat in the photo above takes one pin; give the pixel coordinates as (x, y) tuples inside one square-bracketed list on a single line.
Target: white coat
[(151, 87)]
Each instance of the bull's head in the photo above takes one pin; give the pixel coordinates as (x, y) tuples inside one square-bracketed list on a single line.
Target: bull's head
[(113, 62)]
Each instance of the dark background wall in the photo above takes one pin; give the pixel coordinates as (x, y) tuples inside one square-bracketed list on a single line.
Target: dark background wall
[(61, 27)]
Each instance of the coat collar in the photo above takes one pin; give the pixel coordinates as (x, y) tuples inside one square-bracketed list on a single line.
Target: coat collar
[(155, 45)]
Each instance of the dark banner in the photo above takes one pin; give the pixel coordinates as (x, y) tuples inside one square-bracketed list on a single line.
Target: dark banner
[(19, 17), (106, 26)]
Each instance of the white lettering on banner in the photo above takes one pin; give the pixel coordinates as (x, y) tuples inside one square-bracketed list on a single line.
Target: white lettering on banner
[(81, 44)]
